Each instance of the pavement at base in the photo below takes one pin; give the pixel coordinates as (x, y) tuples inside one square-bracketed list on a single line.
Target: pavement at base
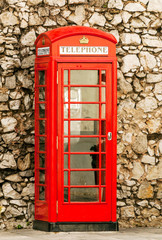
[(123, 234)]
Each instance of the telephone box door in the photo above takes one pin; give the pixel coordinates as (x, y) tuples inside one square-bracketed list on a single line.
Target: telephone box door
[(84, 142)]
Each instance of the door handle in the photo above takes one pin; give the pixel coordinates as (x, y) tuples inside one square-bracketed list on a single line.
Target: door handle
[(109, 136)]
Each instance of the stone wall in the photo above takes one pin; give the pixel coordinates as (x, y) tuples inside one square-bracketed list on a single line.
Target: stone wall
[(136, 25)]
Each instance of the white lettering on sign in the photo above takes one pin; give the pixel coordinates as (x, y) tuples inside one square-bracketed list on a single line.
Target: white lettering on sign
[(83, 50), (43, 51)]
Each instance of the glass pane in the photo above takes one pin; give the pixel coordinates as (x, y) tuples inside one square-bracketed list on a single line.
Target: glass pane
[(42, 176), (41, 94), (103, 127), (84, 94), (84, 110), (65, 144), (103, 94), (66, 97), (103, 110), (103, 194), (42, 160), (103, 144), (103, 77), (84, 178), (84, 161), (41, 77), (103, 177), (83, 144), (84, 77), (65, 77), (103, 160), (42, 144), (84, 128), (41, 193), (65, 194), (65, 178), (84, 195), (42, 127), (65, 110), (65, 161), (42, 110), (65, 127)]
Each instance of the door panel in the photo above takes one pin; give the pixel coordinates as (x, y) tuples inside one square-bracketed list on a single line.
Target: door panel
[(84, 153)]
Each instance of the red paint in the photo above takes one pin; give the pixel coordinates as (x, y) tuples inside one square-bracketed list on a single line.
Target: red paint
[(46, 210)]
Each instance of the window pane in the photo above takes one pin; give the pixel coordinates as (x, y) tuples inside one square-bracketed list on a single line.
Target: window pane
[(65, 178), (65, 144), (66, 94), (42, 127), (103, 110), (84, 110), (84, 195), (41, 94), (103, 144), (84, 161), (83, 144), (84, 128), (42, 160), (84, 77), (42, 176), (103, 160), (65, 161), (84, 94), (65, 110), (84, 178), (41, 193), (42, 144), (41, 77), (42, 110), (66, 77), (103, 94), (103, 77), (103, 194), (65, 194), (103, 177), (65, 127)]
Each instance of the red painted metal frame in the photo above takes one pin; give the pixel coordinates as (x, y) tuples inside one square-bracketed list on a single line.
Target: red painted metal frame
[(47, 210)]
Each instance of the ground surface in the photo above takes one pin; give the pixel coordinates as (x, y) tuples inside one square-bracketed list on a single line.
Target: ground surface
[(123, 234)]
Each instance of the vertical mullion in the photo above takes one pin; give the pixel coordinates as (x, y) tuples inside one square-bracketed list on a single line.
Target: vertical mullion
[(69, 135), (99, 135)]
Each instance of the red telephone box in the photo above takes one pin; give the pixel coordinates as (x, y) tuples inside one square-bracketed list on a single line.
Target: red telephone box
[(75, 130)]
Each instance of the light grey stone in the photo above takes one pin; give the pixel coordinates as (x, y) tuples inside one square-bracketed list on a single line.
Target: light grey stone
[(134, 7), (127, 212), (130, 39), (23, 24), (14, 178), (8, 19), (147, 105), (29, 140), (77, 1), (19, 203), (116, 20), (137, 85), (24, 79), (148, 159), (160, 146), (12, 1), (155, 172), (154, 78), (9, 63), (79, 15), (155, 6), (28, 62), (9, 192), (9, 137), (15, 95), (33, 2), (137, 170), (151, 41), (28, 39), (145, 191), (13, 211), (8, 124), (143, 203), (2, 49), (118, 4), (59, 3), (10, 82), (49, 22), (28, 190), (2, 209), (43, 12), (14, 104), (130, 62), (3, 97), (159, 192), (3, 107), (27, 102), (148, 61), (120, 204), (24, 164), (130, 183), (35, 20), (115, 33), (137, 23), (126, 104), (125, 87), (140, 144), (7, 161), (97, 19), (154, 125), (158, 91)]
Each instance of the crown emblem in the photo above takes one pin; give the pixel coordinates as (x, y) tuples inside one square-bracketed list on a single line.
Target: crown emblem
[(84, 40), (43, 41)]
